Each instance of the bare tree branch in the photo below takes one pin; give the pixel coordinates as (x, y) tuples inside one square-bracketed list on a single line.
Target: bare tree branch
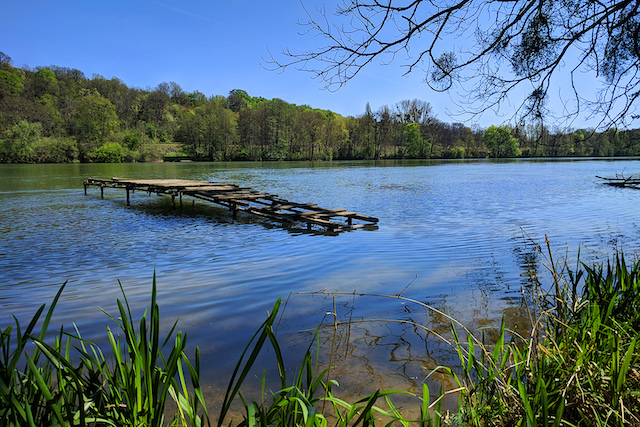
[(509, 46)]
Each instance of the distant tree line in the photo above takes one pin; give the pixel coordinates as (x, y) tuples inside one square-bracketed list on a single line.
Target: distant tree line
[(57, 114)]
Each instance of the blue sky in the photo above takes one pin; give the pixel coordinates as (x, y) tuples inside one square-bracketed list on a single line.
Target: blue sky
[(210, 46)]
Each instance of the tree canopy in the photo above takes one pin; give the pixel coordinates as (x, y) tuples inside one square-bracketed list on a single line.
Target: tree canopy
[(57, 114), (500, 142), (501, 47)]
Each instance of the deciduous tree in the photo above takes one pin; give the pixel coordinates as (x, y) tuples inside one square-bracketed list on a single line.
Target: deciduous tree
[(500, 142), (417, 147), (19, 142), (96, 118)]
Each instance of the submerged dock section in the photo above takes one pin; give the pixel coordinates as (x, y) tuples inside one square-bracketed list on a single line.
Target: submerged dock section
[(240, 199)]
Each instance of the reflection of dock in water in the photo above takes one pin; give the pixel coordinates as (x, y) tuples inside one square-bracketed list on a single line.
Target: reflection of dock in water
[(238, 198)]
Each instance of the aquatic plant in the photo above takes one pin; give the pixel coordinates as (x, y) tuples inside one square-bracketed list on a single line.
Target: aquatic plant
[(131, 389), (578, 364)]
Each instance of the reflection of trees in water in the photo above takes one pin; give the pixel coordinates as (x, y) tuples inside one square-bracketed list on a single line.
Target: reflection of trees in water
[(374, 342), (395, 350)]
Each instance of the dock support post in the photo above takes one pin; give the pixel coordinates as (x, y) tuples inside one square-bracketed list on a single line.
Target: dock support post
[(85, 188), (181, 200), (128, 199), (173, 200), (102, 191), (234, 210), (349, 220)]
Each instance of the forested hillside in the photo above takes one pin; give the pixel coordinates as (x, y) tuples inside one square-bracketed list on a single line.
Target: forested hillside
[(57, 114)]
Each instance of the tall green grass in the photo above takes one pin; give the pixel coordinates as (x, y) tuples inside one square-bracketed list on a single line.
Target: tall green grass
[(71, 382), (578, 364)]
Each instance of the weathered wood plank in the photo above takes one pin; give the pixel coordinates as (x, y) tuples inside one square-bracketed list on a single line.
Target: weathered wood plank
[(239, 198)]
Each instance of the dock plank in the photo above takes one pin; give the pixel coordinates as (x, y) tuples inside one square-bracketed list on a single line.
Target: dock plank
[(243, 199)]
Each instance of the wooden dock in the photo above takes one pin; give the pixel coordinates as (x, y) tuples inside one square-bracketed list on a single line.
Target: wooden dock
[(632, 181), (240, 199)]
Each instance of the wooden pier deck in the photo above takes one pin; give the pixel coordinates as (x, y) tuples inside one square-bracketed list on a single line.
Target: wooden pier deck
[(240, 199), (632, 181)]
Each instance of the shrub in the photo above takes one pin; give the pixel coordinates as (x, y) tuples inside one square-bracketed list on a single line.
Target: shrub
[(112, 152)]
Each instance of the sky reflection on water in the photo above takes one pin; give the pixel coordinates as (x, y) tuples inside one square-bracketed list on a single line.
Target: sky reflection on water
[(455, 235)]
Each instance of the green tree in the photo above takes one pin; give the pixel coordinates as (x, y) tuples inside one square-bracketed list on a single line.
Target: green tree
[(11, 82), (417, 147), (19, 142), (209, 131), (56, 150), (132, 140), (153, 108), (500, 142), (238, 99), (124, 99), (112, 152), (43, 82), (51, 122), (96, 118), (197, 99), (46, 74)]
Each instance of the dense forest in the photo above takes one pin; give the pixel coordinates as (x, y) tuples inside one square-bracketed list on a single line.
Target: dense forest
[(57, 114)]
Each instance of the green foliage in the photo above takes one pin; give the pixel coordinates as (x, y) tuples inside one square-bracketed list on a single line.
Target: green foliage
[(46, 74), (243, 127), (96, 118), (112, 152), (197, 99), (148, 153), (577, 366), (56, 150), (418, 148), (52, 390), (238, 99), (209, 132), (457, 152), (132, 140), (27, 396), (500, 142), (19, 142), (42, 83), (23, 143), (52, 124), (11, 82), (152, 131)]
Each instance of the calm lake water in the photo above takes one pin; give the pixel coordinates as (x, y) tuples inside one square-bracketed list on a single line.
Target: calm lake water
[(457, 235)]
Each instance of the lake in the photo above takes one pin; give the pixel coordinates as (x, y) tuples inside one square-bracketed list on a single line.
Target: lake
[(458, 235)]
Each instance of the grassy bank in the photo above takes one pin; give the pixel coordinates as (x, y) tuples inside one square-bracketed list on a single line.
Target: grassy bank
[(578, 364)]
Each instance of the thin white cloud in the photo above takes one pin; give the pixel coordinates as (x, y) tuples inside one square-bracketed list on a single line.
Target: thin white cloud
[(186, 12)]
